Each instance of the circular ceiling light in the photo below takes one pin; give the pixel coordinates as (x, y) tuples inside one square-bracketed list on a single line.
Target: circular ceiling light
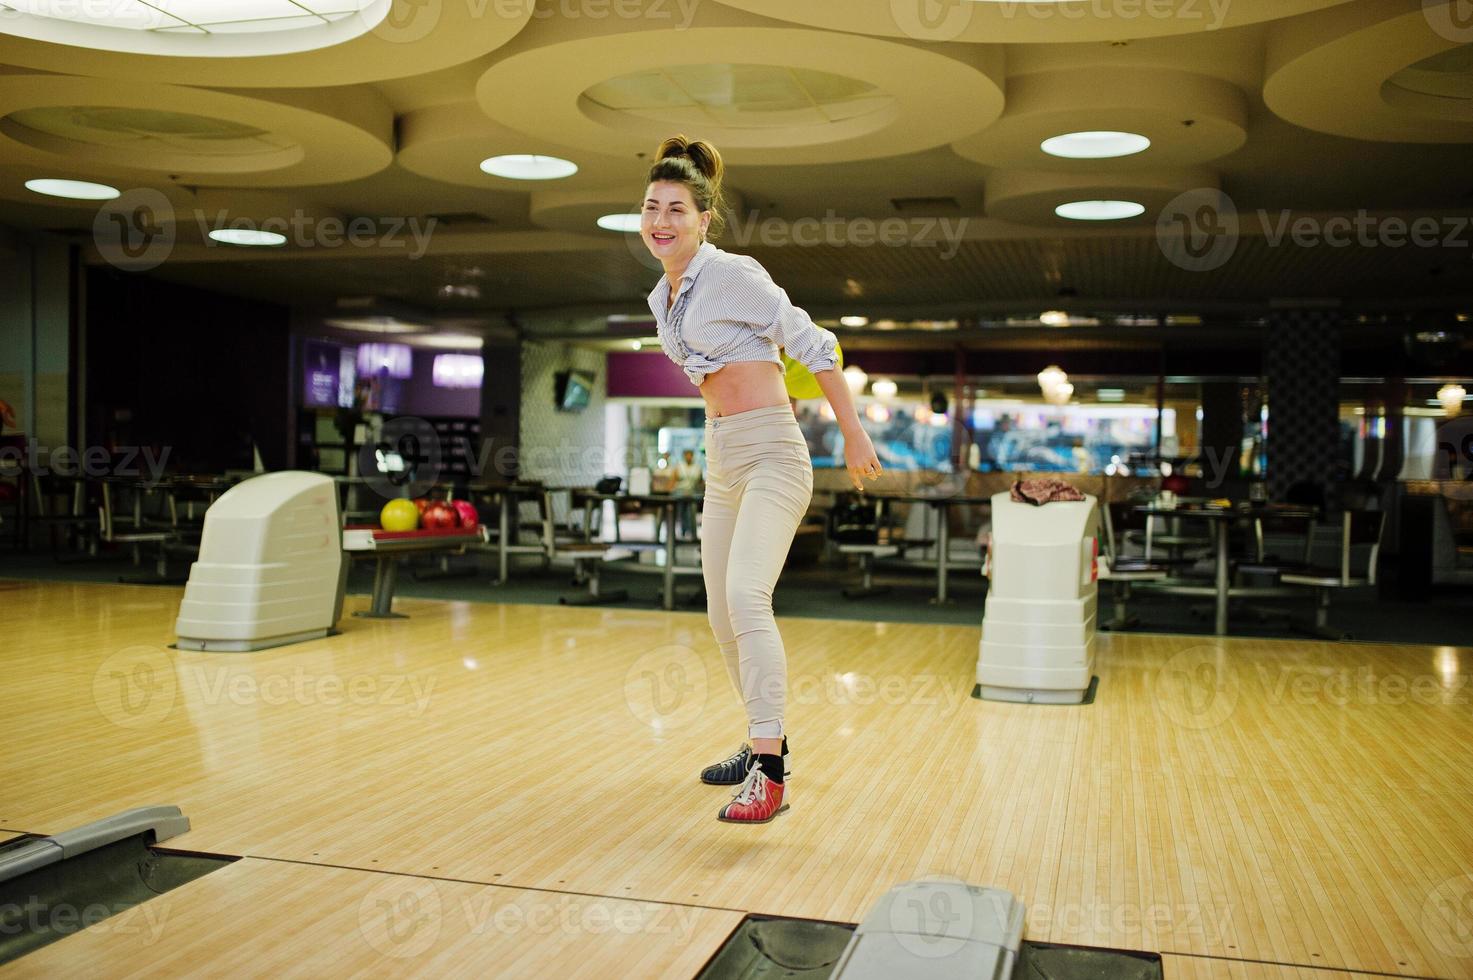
[(247, 237), (197, 27), (619, 222), (528, 166), (76, 190), (1099, 210), (1098, 145), (1054, 318), (853, 321)]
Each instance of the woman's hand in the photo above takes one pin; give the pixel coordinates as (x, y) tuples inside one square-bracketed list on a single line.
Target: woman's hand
[(859, 456)]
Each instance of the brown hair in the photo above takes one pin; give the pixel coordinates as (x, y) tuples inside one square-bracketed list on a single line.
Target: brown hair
[(697, 165)]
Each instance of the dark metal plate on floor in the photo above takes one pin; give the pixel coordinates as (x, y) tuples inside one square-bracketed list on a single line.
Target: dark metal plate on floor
[(765, 949), (62, 898), (1047, 961)]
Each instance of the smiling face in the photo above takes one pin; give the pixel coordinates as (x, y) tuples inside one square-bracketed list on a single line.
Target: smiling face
[(670, 224)]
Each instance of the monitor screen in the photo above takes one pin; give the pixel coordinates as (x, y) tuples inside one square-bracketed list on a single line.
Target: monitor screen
[(572, 390), (321, 374)]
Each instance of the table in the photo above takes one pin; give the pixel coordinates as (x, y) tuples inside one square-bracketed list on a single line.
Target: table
[(508, 496), (389, 546), (667, 502), (1221, 519), (940, 502)]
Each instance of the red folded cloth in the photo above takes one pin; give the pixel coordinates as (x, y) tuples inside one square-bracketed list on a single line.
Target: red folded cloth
[(1043, 491)]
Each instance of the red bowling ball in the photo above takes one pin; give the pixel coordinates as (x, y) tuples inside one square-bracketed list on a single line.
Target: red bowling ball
[(467, 512), (439, 515)]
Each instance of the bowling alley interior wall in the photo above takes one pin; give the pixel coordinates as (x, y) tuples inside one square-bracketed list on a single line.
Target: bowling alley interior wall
[(559, 447), (199, 372), (35, 335), (1301, 367)]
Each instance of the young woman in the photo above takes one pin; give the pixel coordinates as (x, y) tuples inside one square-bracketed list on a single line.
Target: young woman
[(723, 319)]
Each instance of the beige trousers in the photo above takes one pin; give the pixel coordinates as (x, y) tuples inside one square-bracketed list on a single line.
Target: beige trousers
[(759, 480)]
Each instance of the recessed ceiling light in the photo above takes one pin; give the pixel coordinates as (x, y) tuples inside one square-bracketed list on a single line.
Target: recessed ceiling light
[(853, 321), (375, 324), (1054, 318), (619, 222), (1098, 145), (247, 236), (528, 166), (1099, 210), (76, 190), (1111, 394)]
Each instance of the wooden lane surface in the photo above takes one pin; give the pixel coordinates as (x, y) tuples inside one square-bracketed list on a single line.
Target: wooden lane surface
[(1291, 802), (258, 918)]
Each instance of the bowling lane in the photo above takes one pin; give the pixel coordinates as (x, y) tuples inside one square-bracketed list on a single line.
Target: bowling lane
[(259, 918)]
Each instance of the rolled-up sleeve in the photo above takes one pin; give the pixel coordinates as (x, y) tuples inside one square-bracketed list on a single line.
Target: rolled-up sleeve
[(765, 305)]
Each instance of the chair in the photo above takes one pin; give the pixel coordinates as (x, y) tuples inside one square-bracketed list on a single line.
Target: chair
[(570, 542), (62, 507), (1120, 570), (133, 531), (1358, 528), (854, 529)]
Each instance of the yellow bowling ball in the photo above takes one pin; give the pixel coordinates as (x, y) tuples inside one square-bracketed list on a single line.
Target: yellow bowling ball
[(800, 381), (399, 515)]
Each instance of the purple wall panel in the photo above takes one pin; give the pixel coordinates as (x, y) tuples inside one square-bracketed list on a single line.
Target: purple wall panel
[(419, 396), (641, 374)]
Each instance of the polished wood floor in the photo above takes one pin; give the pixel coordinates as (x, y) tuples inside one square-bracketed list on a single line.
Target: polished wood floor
[(1252, 809)]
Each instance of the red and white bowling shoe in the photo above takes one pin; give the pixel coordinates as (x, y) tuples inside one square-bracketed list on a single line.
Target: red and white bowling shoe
[(758, 801)]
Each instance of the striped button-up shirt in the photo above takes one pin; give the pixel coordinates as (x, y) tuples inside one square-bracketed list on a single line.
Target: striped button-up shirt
[(729, 309)]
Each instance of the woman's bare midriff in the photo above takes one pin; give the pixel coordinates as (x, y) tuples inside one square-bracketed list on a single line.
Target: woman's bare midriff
[(743, 386)]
